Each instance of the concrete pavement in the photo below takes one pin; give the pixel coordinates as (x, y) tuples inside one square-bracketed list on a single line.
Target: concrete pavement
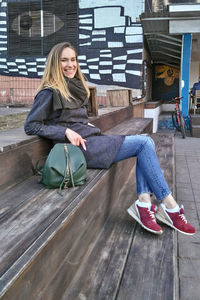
[(187, 174)]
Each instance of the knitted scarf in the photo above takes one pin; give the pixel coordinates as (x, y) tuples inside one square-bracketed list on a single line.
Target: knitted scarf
[(78, 92)]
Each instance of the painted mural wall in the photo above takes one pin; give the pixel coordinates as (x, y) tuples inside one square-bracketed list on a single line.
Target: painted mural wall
[(110, 43), (165, 82)]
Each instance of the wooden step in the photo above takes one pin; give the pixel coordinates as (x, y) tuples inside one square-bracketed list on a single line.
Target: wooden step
[(127, 262), (19, 152), (45, 238)]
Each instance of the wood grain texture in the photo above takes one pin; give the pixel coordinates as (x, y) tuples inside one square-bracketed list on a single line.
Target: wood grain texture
[(127, 262), (46, 238)]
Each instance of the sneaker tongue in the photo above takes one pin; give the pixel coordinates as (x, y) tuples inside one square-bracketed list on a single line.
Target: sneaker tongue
[(153, 208), (181, 209)]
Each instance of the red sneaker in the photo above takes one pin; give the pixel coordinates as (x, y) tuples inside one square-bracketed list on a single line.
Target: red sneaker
[(175, 220), (145, 217)]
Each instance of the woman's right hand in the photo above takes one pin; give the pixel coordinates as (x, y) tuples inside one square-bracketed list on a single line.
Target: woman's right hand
[(75, 138)]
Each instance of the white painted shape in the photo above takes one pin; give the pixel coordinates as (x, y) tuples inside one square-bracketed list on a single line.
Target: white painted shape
[(84, 36), (81, 64), (32, 70), (108, 17), (82, 57), (3, 29), (134, 30), (105, 63), (85, 71), (134, 51), (23, 73), (95, 76), (21, 67), (41, 59), (20, 60), (3, 67), (119, 77), (85, 21), (3, 59), (134, 38), (115, 45), (131, 8), (3, 48), (85, 16), (85, 27), (3, 36), (93, 67), (105, 55), (93, 59), (11, 63), (119, 29), (98, 39), (98, 32), (119, 67), (3, 22), (85, 44), (2, 14), (105, 71), (104, 51), (136, 73), (123, 57), (134, 61)]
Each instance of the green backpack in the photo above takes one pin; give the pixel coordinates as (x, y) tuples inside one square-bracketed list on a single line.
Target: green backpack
[(64, 167)]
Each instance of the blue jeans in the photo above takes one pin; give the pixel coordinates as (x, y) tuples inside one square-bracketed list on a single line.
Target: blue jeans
[(149, 176)]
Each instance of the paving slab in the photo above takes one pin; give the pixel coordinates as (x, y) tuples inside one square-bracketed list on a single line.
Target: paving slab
[(187, 156)]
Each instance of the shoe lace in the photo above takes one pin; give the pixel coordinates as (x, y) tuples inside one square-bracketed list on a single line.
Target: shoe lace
[(152, 215), (183, 218)]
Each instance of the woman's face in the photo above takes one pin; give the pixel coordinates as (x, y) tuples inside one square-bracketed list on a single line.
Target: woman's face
[(68, 62)]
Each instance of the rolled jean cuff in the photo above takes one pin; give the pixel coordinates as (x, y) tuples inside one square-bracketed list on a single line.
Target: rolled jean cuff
[(167, 194), (144, 192)]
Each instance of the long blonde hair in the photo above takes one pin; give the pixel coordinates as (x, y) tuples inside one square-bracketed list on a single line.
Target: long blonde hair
[(53, 76)]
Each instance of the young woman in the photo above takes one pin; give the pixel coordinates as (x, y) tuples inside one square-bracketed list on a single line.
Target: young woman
[(59, 113)]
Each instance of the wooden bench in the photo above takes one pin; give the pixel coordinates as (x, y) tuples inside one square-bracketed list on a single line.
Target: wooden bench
[(49, 243)]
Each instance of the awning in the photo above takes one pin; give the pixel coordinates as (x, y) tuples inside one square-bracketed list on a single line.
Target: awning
[(163, 32)]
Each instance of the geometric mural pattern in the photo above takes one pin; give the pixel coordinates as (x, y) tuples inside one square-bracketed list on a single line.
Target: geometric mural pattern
[(109, 52)]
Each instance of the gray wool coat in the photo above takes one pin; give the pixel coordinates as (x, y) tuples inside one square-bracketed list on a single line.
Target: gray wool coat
[(46, 122)]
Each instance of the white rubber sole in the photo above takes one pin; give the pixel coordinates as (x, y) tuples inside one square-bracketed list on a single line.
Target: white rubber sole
[(132, 212)]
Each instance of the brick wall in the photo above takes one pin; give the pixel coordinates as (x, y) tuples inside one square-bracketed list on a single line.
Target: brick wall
[(14, 90)]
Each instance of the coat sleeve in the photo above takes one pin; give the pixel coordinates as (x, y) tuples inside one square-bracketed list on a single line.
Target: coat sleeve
[(37, 119)]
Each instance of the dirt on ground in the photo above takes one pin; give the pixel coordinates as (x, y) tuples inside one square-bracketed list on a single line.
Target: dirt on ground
[(12, 121)]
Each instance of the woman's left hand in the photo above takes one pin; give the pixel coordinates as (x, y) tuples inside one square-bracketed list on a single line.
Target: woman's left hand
[(75, 138)]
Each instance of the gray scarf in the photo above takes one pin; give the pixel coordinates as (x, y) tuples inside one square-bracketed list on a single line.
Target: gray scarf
[(78, 92)]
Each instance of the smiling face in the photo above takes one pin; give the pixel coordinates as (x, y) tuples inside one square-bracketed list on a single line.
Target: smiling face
[(68, 62)]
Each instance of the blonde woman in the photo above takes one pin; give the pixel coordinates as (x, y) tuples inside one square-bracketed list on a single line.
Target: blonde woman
[(59, 113)]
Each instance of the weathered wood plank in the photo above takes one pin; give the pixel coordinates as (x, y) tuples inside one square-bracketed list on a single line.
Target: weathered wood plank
[(21, 225), (78, 224), (48, 224), (123, 266), (101, 274)]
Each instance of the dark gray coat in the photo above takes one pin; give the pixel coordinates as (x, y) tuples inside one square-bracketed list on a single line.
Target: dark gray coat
[(46, 122)]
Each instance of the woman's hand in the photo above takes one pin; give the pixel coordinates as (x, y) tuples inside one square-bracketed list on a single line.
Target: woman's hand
[(75, 138)]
